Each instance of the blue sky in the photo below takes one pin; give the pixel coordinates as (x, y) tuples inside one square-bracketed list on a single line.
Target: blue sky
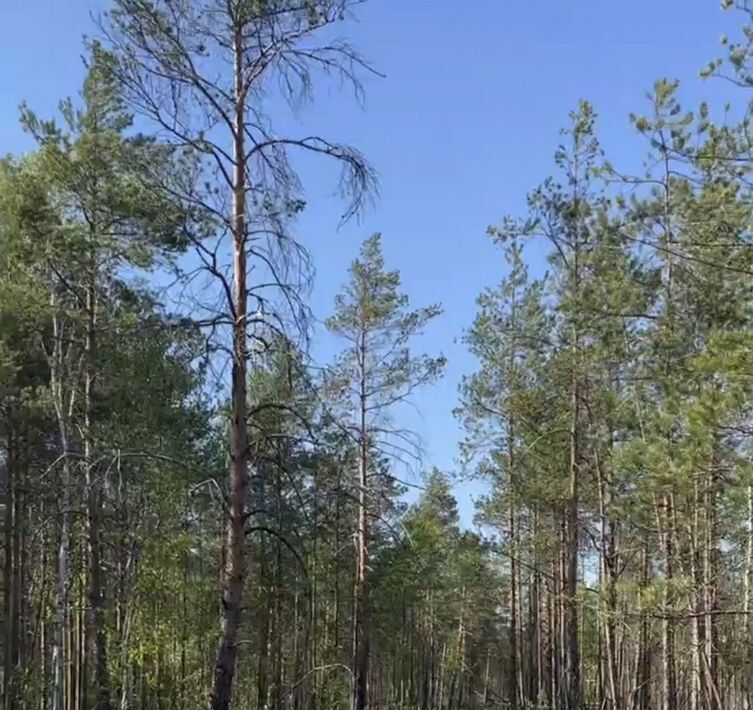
[(462, 127)]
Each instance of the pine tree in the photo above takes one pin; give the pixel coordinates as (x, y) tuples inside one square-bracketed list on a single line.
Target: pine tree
[(216, 60), (376, 372)]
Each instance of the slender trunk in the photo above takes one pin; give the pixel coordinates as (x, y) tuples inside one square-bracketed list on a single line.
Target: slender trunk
[(513, 628), (457, 675), (572, 641), (20, 554), (9, 623), (313, 601), (546, 638), (664, 518), (715, 700), (670, 694), (609, 579), (96, 618), (81, 657), (336, 591), (69, 653), (42, 649), (536, 618), (514, 693), (235, 565), (361, 649), (485, 699), (748, 582), (644, 652), (559, 663), (294, 690), (262, 665), (267, 585), (440, 678), (572, 656), (697, 620), (275, 692), (554, 634), (63, 581)]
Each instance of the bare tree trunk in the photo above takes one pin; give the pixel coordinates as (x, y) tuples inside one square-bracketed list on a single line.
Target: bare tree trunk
[(96, 619), (63, 581), (748, 590), (9, 572), (313, 605), (715, 701), (609, 577), (63, 415), (361, 649), (644, 654), (235, 565), (697, 620), (262, 665), (572, 656), (457, 679), (555, 633), (664, 518), (275, 692), (513, 629), (266, 583), (485, 699), (537, 652)]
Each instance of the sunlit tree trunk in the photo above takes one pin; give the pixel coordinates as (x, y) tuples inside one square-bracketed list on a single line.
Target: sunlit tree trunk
[(235, 565)]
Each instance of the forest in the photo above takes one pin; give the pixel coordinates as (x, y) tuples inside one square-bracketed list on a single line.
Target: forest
[(197, 513)]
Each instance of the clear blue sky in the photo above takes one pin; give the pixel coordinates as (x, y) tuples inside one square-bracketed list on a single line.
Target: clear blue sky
[(464, 124)]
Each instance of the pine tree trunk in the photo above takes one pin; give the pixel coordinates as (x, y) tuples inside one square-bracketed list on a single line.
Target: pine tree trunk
[(665, 518), (572, 645), (748, 590), (537, 696), (361, 646), (572, 641), (96, 634), (514, 695), (60, 618), (485, 699), (63, 582), (361, 660), (275, 692), (609, 575), (235, 565), (555, 633), (697, 620), (644, 655), (265, 583), (9, 572), (715, 700)]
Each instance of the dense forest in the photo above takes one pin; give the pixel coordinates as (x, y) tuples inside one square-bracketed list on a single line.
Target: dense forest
[(196, 513)]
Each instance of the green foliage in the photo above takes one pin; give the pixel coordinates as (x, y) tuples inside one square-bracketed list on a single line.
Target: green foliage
[(372, 315), (609, 415)]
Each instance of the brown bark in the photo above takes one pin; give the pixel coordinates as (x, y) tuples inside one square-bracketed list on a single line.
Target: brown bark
[(96, 635), (514, 684), (572, 645), (748, 589), (609, 577), (235, 564), (361, 626), (643, 701), (715, 700), (9, 572), (571, 623), (537, 622), (664, 517)]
